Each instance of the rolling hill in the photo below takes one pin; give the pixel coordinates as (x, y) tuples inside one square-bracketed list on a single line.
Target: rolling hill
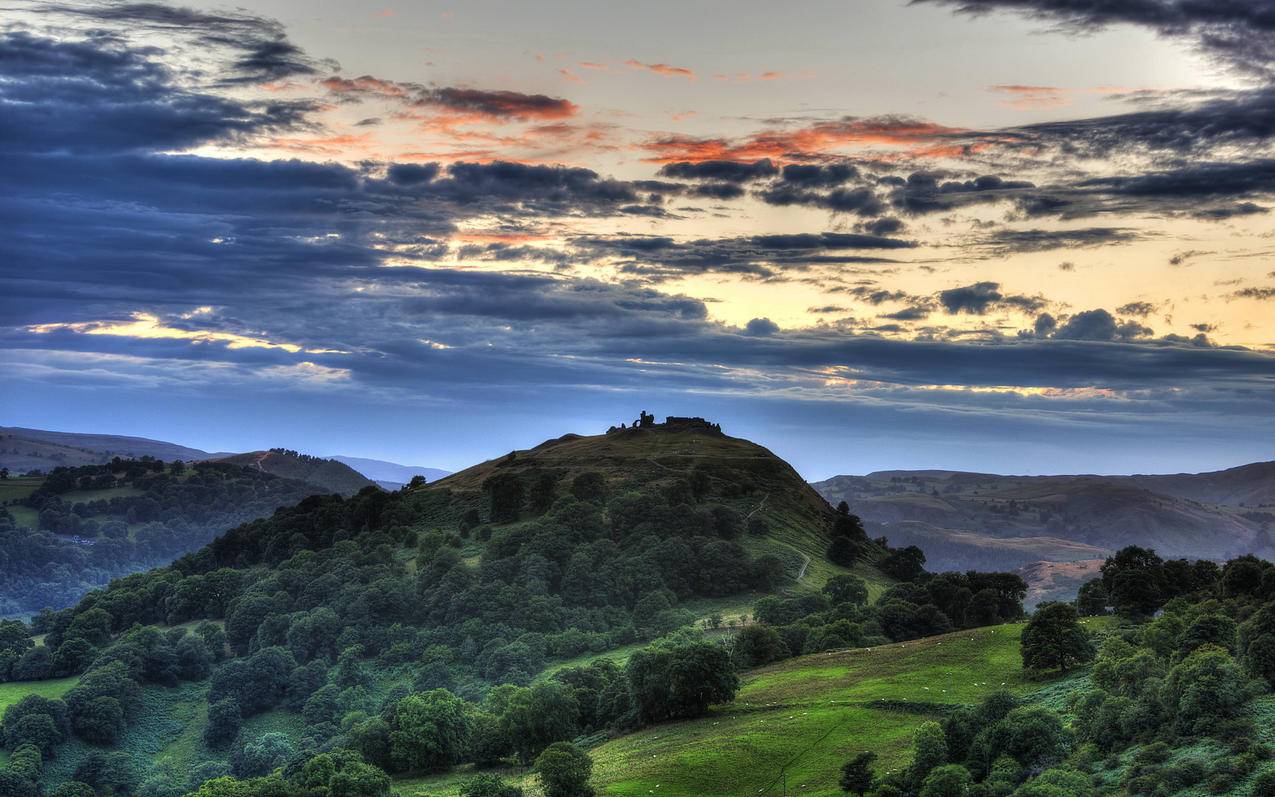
[(978, 520), (744, 476), (23, 450), (327, 475)]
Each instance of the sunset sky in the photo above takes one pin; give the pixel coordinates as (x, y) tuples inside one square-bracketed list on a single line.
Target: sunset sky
[(1028, 236)]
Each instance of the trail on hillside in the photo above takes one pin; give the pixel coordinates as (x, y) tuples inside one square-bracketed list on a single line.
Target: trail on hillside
[(757, 508)]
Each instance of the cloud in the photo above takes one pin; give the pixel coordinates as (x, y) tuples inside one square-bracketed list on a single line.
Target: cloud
[(764, 256), (721, 171), (662, 69), (761, 327), (983, 297), (919, 137), (1005, 242), (1142, 309), (1099, 325), (99, 96), (1238, 34), (258, 48), (1262, 294)]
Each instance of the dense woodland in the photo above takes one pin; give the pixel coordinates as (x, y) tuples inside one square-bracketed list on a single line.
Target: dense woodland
[(98, 522)]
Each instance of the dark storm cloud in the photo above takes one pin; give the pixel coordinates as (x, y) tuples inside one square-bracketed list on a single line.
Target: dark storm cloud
[(720, 171)]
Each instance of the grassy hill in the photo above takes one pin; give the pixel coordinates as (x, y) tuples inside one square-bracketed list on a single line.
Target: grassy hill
[(805, 715), (741, 474), (327, 475), (23, 450)]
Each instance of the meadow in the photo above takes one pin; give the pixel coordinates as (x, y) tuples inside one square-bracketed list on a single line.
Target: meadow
[(797, 720)]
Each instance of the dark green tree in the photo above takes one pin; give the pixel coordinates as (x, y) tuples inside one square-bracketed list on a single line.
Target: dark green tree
[(564, 771), (1055, 640), (857, 775)]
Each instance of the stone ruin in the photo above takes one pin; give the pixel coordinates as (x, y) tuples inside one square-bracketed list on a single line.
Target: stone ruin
[(646, 420)]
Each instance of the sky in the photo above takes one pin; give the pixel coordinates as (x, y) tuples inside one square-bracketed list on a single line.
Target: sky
[(1016, 236)]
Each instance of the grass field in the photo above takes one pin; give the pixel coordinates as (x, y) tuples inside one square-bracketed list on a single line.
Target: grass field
[(809, 713), (14, 691), (16, 488)]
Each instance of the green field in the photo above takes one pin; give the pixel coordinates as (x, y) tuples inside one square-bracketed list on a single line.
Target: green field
[(18, 487), (14, 691), (810, 713)]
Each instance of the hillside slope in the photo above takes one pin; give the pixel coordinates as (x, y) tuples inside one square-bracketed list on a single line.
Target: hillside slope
[(811, 713), (327, 475), (23, 450), (743, 475), (984, 520)]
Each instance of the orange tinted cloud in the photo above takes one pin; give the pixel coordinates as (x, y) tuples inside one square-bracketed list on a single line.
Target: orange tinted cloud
[(662, 69), (1021, 96), (920, 137)]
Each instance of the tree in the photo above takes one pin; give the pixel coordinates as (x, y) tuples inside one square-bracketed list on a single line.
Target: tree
[(756, 645), (842, 551), (262, 755), (224, 721), (488, 785), (904, 564), (950, 780), (846, 589), (1092, 599), (99, 721), (14, 785), (564, 771), (539, 716), (1054, 639), (589, 486), (929, 750), (1134, 580), (675, 680), (430, 731), (857, 774)]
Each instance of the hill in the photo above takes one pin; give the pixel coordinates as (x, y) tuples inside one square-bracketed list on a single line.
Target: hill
[(327, 475), (978, 520), (390, 475), (23, 450), (77, 528), (791, 520)]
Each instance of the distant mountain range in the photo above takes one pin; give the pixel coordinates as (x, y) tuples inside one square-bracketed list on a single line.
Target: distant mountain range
[(1041, 523), (23, 450), (390, 474)]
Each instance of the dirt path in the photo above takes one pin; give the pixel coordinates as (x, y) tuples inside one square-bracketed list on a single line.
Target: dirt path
[(757, 508)]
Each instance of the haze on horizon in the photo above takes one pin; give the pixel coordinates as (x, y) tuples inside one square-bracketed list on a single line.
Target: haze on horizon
[(1014, 236)]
